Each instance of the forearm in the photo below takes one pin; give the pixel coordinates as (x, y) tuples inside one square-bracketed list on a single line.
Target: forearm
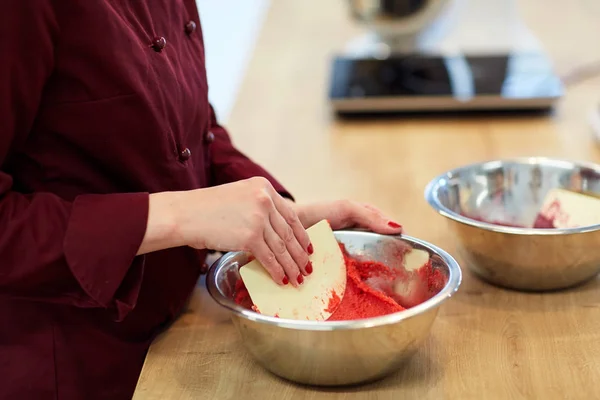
[(163, 220)]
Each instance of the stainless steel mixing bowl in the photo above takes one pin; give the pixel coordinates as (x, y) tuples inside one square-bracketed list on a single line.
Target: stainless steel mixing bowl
[(393, 18), (340, 352), (511, 192)]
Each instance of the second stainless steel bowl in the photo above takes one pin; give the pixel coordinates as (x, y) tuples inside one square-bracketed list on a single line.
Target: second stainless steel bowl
[(478, 202)]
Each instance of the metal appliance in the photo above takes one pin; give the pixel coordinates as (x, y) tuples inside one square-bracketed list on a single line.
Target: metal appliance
[(441, 55)]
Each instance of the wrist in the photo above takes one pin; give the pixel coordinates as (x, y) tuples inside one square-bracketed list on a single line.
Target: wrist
[(162, 230)]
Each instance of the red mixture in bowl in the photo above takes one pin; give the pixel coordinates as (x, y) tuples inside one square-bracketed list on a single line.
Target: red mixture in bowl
[(370, 289)]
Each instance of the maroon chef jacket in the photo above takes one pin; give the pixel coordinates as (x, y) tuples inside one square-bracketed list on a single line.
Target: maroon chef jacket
[(101, 103)]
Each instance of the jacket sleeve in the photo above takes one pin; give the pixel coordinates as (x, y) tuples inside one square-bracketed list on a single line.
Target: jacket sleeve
[(83, 252), (228, 164)]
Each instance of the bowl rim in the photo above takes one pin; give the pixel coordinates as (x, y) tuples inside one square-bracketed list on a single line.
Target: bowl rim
[(432, 188), (454, 282)]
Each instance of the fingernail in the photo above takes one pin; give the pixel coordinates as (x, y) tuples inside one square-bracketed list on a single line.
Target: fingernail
[(300, 279), (309, 268), (285, 280), (310, 248), (394, 225)]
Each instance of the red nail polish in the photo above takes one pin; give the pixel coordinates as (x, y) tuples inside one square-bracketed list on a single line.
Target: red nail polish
[(309, 268), (394, 225), (285, 280), (310, 248), (300, 279)]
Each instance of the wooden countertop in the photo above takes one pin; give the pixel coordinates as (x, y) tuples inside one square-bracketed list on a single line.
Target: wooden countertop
[(486, 342)]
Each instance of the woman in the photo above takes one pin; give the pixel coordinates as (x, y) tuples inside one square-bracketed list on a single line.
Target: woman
[(115, 180)]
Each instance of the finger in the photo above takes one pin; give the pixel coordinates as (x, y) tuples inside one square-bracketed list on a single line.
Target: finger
[(372, 208), (392, 225), (371, 218), (291, 218), (286, 233), (279, 249), (265, 256)]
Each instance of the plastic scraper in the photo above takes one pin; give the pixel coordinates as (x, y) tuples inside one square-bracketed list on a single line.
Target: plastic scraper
[(309, 301)]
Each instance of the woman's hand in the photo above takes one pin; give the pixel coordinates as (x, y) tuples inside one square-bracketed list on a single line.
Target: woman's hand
[(343, 214), (248, 215), (251, 216)]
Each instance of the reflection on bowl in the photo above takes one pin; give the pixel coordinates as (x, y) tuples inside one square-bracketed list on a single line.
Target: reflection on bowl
[(489, 207), (336, 352)]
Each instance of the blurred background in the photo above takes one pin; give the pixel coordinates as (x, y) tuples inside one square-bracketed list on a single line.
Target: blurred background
[(452, 26), (230, 31)]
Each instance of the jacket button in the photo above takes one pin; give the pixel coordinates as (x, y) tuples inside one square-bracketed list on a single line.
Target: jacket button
[(185, 154), (190, 27), (159, 43), (210, 137), (204, 268)]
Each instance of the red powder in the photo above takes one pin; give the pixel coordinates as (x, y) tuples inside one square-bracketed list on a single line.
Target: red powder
[(334, 302), (553, 213), (370, 290), (360, 299), (435, 278), (542, 222), (242, 297)]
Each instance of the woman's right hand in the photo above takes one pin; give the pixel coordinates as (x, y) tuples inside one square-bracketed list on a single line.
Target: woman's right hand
[(247, 215)]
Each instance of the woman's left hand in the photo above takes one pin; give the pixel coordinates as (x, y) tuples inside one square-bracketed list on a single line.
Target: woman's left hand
[(343, 214)]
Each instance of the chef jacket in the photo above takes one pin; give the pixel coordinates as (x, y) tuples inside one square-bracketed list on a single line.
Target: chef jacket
[(101, 103)]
